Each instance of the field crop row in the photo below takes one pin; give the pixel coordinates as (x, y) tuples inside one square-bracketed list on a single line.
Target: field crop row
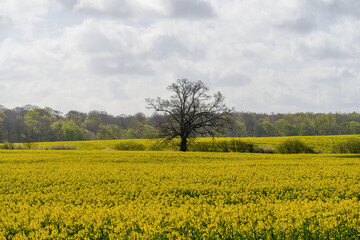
[(172, 195)]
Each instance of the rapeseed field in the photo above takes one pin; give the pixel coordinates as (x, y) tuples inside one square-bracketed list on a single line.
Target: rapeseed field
[(173, 195)]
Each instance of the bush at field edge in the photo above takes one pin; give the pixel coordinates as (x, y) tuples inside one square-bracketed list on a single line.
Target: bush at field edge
[(233, 145), (292, 146), (130, 146), (349, 146)]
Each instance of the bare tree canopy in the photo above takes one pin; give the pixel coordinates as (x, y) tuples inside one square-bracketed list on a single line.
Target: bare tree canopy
[(190, 112)]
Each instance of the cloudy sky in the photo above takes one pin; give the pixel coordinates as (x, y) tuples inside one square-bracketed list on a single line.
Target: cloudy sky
[(263, 55)]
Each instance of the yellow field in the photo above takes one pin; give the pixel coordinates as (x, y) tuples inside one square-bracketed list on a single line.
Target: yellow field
[(174, 195), (322, 143)]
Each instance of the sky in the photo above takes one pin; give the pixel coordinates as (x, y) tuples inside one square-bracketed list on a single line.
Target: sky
[(281, 56)]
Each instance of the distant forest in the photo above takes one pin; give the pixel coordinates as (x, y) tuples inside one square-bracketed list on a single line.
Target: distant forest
[(31, 123)]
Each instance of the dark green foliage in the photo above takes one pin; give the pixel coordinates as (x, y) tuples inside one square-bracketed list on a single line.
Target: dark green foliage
[(29, 144), (222, 146), (262, 149), (264, 129), (45, 124), (8, 145), (238, 146), (129, 146), (61, 147), (349, 146), (202, 147), (158, 146), (294, 146)]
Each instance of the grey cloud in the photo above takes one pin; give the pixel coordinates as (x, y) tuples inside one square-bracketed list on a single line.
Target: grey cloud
[(111, 8), (118, 65), (301, 18), (348, 74), (332, 52), (233, 79), (93, 41), (69, 4), (330, 81), (189, 70), (303, 24), (5, 27), (116, 90), (167, 46), (184, 9), (5, 22), (319, 15), (327, 50), (292, 100), (336, 78), (108, 48), (191, 9), (338, 8)]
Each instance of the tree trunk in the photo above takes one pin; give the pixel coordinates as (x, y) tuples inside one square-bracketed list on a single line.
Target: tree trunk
[(183, 145)]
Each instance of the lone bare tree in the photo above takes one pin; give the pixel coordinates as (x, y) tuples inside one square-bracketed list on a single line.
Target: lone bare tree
[(190, 112)]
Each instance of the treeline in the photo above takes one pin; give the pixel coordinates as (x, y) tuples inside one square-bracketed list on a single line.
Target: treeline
[(31, 123), (294, 124)]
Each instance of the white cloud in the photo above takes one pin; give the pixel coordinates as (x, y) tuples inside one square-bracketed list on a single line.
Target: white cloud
[(265, 56)]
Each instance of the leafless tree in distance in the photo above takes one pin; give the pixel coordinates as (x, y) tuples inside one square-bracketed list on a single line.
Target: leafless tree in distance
[(190, 112)]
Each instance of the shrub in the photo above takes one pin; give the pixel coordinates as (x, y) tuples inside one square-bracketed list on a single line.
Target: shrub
[(18, 146), (222, 146), (8, 145), (62, 147), (30, 145), (129, 146), (349, 146), (240, 146), (202, 147), (294, 146), (262, 149), (158, 146)]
